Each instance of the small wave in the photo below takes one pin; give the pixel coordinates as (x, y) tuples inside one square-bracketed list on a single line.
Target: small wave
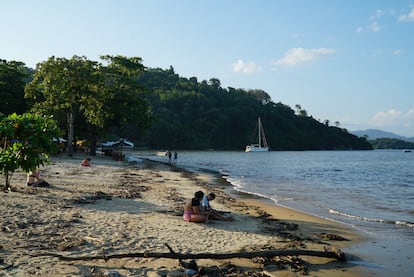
[(405, 223), (378, 220)]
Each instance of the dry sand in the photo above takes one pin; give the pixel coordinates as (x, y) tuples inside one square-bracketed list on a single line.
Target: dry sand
[(118, 208)]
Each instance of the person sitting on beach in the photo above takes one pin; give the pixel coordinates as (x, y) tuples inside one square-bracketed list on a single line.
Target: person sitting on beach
[(86, 162), (34, 180), (205, 206), (192, 212)]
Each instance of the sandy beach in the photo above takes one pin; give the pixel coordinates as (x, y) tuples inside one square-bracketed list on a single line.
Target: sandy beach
[(114, 208)]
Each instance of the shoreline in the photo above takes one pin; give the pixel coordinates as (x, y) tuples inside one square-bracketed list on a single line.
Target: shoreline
[(122, 207), (354, 236)]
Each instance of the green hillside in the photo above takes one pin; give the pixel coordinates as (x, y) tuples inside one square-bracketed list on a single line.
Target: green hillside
[(202, 115), (158, 109)]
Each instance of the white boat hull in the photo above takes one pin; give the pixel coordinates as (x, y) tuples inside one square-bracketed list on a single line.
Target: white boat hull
[(123, 143), (162, 153), (254, 148)]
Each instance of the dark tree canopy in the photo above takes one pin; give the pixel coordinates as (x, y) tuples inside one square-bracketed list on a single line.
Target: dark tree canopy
[(89, 96), (158, 109), (13, 76), (192, 115), (391, 143)]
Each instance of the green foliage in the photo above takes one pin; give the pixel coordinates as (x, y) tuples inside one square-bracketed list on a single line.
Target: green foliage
[(26, 141), (391, 143), (89, 96), (12, 81), (120, 97), (192, 115)]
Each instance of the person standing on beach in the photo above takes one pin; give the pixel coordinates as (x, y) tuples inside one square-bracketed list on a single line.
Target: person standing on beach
[(192, 212), (169, 156), (175, 157)]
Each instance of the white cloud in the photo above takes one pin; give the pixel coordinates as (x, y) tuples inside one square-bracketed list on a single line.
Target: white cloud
[(397, 52), (407, 17), (375, 27), (384, 118), (394, 117), (379, 13), (247, 68), (296, 56), (410, 114)]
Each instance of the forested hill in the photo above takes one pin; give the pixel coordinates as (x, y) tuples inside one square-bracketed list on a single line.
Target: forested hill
[(202, 115)]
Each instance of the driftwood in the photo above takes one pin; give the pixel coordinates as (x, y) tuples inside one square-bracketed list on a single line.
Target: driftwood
[(328, 253)]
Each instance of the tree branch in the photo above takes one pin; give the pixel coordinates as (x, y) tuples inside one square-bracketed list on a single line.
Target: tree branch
[(331, 253)]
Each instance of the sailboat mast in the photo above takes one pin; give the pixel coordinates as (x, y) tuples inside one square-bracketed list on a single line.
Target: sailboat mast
[(260, 132)]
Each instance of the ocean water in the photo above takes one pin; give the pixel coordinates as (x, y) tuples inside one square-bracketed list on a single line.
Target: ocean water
[(373, 191)]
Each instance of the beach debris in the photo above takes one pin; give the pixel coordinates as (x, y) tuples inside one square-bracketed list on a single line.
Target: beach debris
[(329, 236), (182, 273), (263, 214), (6, 267), (131, 192), (70, 243), (272, 224), (112, 273), (91, 198), (292, 263), (230, 270)]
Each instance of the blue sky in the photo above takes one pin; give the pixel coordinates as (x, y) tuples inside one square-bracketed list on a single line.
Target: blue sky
[(348, 61)]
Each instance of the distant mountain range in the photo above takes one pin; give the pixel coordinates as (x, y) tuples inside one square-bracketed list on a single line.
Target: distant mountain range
[(375, 134)]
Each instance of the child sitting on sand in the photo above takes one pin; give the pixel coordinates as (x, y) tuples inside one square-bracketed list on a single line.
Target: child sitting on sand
[(205, 206), (34, 180), (86, 162), (192, 211)]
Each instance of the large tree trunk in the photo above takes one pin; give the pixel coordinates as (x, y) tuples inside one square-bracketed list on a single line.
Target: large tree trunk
[(7, 179), (69, 124), (94, 138)]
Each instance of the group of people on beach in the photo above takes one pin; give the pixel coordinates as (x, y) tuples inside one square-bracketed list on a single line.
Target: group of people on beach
[(198, 209)]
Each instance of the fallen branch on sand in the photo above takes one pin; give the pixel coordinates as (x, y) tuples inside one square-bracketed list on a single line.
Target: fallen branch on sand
[(328, 253)]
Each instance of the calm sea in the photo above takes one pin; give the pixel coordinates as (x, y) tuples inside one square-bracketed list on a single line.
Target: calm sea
[(370, 190)]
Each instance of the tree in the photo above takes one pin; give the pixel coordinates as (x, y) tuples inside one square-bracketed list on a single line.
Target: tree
[(120, 97), (300, 111), (191, 115), (12, 81), (261, 95), (100, 95), (62, 85), (26, 142), (124, 101)]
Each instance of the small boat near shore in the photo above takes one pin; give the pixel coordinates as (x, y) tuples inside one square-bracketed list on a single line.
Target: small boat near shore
[(121, 143), (162, 153)]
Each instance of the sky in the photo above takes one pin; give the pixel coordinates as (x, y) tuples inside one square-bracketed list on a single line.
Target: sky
[(347, 61)]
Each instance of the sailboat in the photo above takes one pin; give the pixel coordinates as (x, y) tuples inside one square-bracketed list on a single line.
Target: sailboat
[(262, 145)]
